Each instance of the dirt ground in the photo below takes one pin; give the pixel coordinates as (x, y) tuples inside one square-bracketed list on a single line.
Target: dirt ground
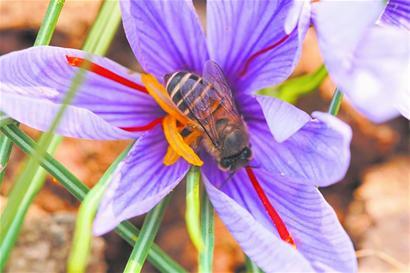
[(372, 201)]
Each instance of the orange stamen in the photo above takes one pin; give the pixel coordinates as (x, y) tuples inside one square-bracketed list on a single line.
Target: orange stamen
[(176, 141), (160, 95), (104, 72), (171, 156), (273, 214)]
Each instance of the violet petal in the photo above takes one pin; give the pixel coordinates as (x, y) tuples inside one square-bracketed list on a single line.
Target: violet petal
[(34, 82), (239, 29), (312, 223), (317, 154), (139, 183), (166, 36)]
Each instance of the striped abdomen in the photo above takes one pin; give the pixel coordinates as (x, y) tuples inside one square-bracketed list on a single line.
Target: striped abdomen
[(188, 91)]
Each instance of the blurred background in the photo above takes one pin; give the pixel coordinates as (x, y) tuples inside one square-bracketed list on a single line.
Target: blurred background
[(372, 202)]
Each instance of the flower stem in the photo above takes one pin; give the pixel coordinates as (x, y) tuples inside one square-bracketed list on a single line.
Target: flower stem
[(208, 235), (193, 207), (146, 238), (80, 249), (251, 267), (126, 230), (336, 102)]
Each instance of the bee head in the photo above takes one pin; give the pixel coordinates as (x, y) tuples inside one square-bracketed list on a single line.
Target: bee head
[(237, 161), (236, 152)]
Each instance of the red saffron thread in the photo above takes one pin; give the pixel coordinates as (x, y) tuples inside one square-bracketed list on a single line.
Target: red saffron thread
[(147, 127), (273, 214), (260, 52), (104, 72)]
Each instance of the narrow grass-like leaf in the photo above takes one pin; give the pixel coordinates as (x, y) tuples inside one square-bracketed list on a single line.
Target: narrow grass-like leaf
[(251, 267), (104, 28), (208, 235), (30, 178), (336, 102), (43, 38), (192, 210), (293, 88), (9, 236), (80, 249), (5, 151), (34, 176), (126, 230), (146, 237), (17, 209)]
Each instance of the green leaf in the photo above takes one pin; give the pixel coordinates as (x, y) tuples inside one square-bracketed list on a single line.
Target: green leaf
[(146, 238), (293, 88), (126, 230), (193, 207), (14, 212), (251, 267), (80, 249), (208, 235), (33, 176)]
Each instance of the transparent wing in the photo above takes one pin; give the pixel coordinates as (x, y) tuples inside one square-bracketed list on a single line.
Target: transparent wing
[(215, 76), (216, 99)]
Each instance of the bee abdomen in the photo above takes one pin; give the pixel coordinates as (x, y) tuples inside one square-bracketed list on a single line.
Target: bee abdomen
[(186, 91)]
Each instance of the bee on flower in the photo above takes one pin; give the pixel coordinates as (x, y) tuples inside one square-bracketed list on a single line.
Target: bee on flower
[(195, 104)]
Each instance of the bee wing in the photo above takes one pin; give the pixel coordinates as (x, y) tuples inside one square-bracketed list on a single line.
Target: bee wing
[(201, 107), (215, 76)]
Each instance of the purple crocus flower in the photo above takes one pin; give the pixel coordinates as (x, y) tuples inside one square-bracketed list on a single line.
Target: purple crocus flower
[(365, 46), (274, 210)]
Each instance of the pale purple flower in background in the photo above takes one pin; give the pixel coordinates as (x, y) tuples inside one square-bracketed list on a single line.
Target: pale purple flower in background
[(366, 49), (294, 152)]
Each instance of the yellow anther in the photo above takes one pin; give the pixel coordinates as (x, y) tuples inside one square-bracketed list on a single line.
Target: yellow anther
[(171, 156), (160, 95), (176, 142)]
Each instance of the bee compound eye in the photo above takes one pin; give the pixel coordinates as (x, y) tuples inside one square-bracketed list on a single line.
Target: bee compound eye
[(225, 163), (246, 153)]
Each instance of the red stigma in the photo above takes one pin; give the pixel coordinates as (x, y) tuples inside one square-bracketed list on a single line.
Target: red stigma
[(104, 72), (147, 127), (260, 52), (273, 214)]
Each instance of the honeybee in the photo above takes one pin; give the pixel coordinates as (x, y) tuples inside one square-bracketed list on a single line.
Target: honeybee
[(208, 101)]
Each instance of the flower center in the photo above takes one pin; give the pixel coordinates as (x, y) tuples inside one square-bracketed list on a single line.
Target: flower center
[(178, 145), (175, 123)]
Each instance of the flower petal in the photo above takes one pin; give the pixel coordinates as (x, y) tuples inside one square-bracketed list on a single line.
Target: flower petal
[(283, 118), (378, 82), (312, 223), (35, 81), (354, 47), (376, 90), (269, 252), (139, 183), (340, 26), (317, 154), (166, 36), (397, 13), (248, 40)]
